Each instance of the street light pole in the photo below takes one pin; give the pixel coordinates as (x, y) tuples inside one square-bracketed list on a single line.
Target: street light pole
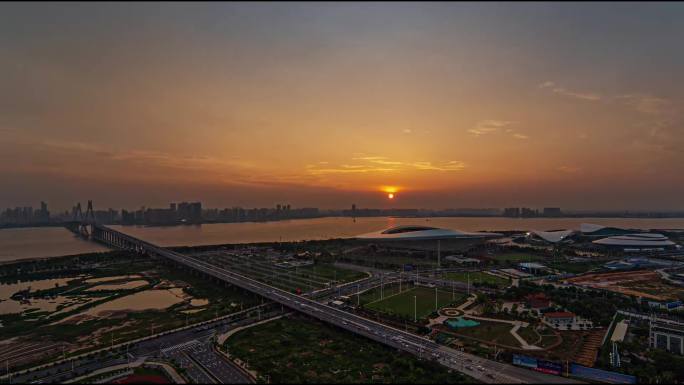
[(468, 275), (415, 317), (439, 254)]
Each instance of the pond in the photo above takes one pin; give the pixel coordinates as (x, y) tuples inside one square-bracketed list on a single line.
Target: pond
[(143, 300), (11, 306), (460, 323)]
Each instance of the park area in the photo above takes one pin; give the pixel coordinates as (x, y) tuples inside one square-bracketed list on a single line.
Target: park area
[(331, 273), (402, 304), (303, 350)]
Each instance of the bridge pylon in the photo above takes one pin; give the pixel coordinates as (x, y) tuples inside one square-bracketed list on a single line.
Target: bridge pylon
[(77, 213), (89, 216), (82, 223)]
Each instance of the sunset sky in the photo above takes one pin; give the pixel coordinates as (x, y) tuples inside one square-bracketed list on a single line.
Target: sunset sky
[(579, 106)]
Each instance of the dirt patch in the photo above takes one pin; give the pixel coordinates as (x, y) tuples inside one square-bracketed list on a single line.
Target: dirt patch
[(641, 283)]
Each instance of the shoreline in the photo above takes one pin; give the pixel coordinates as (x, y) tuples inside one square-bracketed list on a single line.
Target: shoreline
[(674, 225), (426, 217)]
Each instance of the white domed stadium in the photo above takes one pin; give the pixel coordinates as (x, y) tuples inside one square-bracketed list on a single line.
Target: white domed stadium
[(425, 237), (640, 241)]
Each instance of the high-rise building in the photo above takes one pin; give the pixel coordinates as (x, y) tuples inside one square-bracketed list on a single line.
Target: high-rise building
[(512, 212), (552, 212)]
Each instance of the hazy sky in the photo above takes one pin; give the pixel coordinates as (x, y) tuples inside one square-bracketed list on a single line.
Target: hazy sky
[(455, 104)]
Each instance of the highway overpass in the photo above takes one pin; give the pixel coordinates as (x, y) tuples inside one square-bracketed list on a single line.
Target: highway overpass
[(484, 370)]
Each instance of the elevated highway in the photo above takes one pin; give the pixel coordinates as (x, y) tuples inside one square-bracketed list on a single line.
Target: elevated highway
[(484, 370)]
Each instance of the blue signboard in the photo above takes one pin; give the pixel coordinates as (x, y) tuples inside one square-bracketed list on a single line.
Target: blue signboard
[(520, 360), (408, 267), (674, 305), (601, 375), (549, 367)]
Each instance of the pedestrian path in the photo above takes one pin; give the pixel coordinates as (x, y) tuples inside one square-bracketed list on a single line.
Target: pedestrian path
[(514, 330), (223, 337)]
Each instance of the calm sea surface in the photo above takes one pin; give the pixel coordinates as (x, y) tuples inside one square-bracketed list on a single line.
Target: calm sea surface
[(51, 241)]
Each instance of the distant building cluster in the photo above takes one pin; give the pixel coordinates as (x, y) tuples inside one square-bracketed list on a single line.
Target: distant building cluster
[(526, 212), (395, 212), (189, 213), (25, 215), (176, 213), (194, 213), (238, 214)]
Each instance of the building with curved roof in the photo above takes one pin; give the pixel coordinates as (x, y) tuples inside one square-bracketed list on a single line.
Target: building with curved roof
[(594, 230), (426, 238), (558, 236), (637, 241), (417, 232)]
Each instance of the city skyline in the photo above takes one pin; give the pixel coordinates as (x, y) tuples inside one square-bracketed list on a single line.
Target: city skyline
[(327, 105), (192, 213)]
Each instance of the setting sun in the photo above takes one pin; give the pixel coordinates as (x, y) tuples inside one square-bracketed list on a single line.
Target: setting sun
[(390, 190)]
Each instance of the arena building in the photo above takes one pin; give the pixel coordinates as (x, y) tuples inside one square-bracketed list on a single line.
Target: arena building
[(425, 238), (643, 241), (593, 230), (553, 237)]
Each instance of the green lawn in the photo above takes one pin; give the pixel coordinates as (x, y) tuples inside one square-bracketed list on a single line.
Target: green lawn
[(387, 290), (529, 335), (302, 350), (495, 332), (477, 277), (547, 340), (330, 272), (403, 304)]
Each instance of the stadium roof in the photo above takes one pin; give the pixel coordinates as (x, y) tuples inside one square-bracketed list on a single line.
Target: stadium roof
[(594, 229), (552, 236), (638, 240), (590, 228), (417, 232)]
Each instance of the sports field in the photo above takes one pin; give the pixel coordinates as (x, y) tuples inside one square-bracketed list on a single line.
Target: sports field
[(402, 304), (477, 277)]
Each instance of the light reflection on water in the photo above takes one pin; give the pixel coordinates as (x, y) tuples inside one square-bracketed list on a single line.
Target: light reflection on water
[(8, 305), (143, 300)]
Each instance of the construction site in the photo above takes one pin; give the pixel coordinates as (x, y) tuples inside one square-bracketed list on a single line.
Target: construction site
[(645, 284)]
